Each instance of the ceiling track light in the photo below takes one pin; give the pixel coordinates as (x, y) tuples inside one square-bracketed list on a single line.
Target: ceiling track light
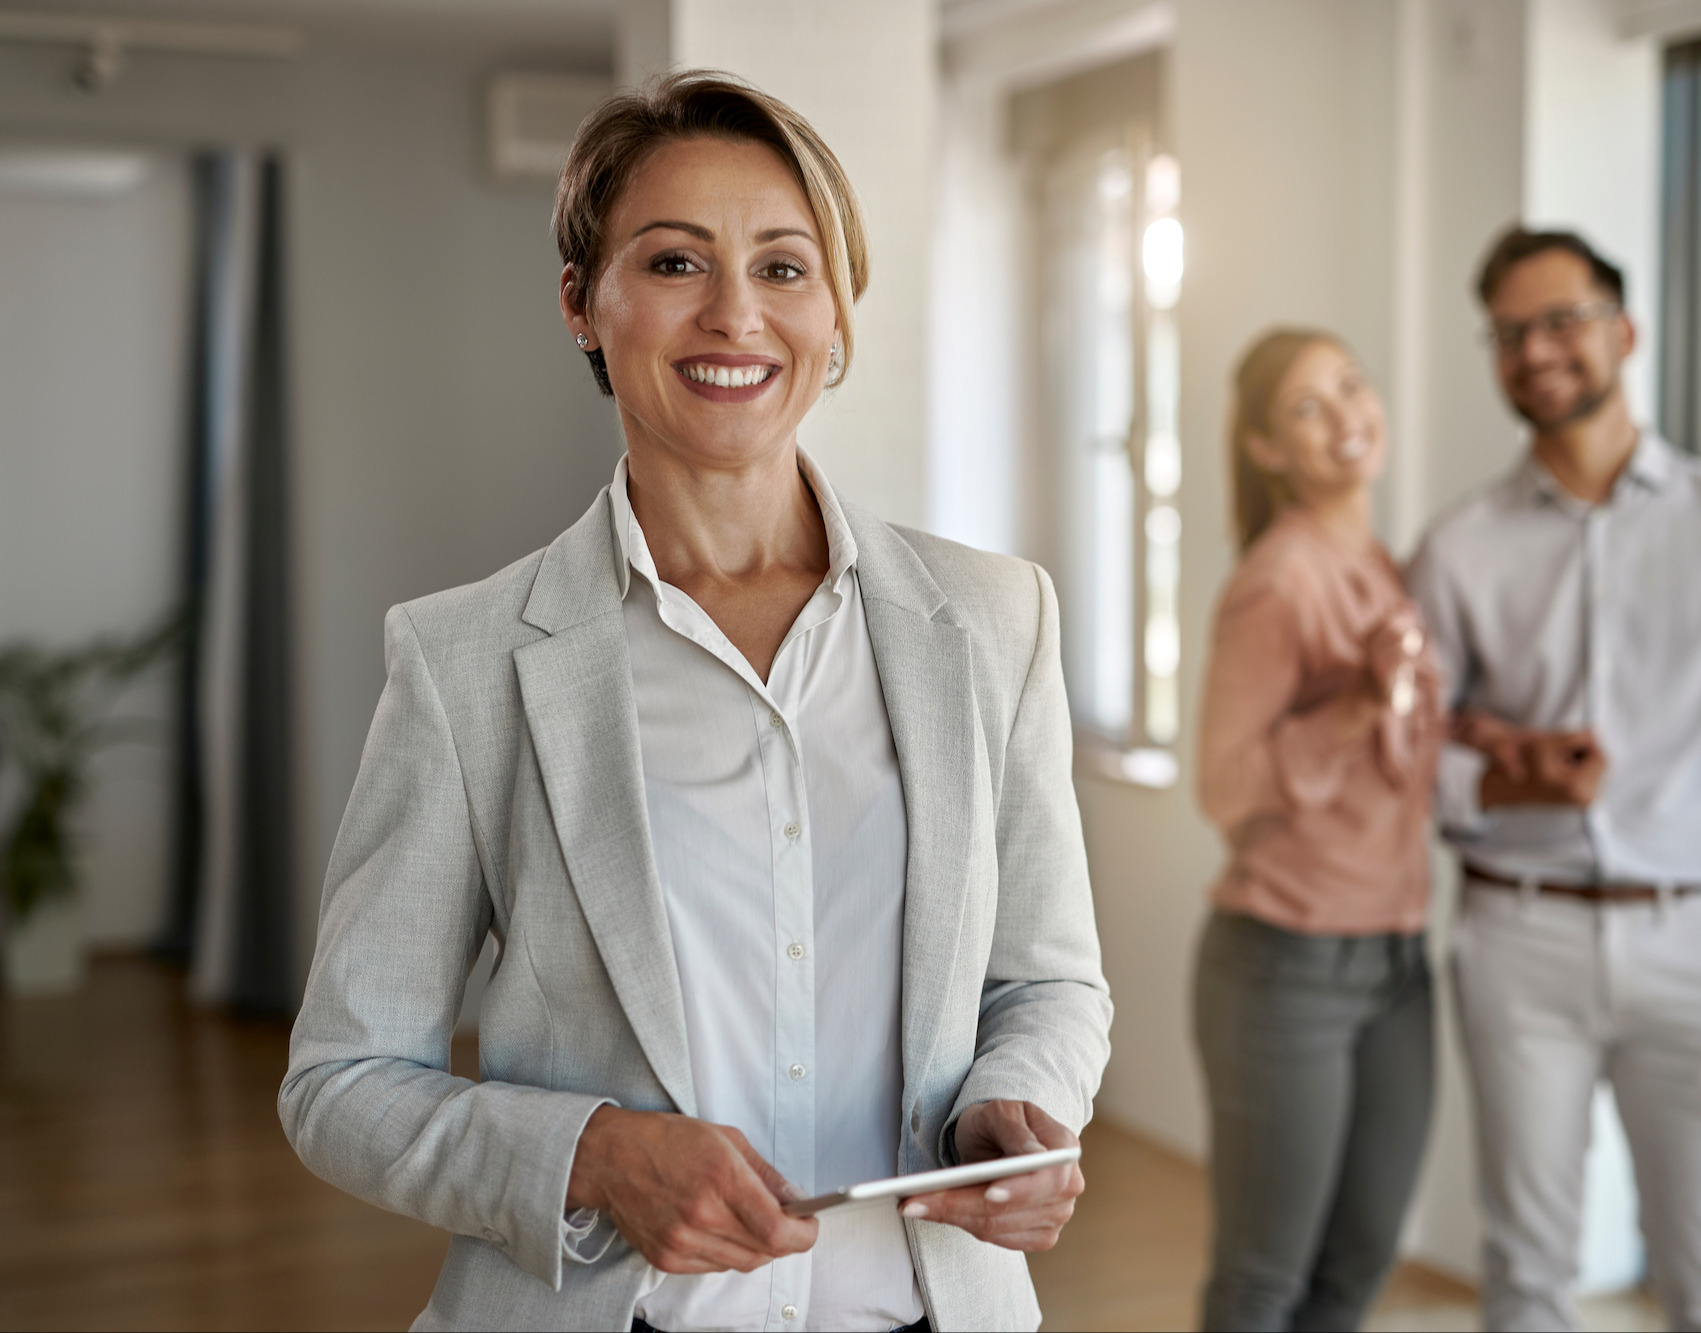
[(107, 42), (101, 63)]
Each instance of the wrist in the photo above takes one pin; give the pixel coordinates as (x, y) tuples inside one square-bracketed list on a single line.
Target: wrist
[(586, 1183)]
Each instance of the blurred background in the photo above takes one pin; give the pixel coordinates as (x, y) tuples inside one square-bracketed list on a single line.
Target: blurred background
[(279, 347)]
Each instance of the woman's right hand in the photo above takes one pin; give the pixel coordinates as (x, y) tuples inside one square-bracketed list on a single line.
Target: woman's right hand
[(689, 1196), (1393, 651)]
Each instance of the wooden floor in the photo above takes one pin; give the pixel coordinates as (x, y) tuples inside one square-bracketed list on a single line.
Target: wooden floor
[(1134, 1255), (145, 1184)]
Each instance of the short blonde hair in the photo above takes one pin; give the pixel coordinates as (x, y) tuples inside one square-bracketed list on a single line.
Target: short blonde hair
[(621, 134)]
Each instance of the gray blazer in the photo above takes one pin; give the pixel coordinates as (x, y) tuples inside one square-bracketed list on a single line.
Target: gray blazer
[(501, 790)]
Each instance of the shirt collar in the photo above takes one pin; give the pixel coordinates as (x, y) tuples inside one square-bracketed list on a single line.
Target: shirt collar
[(632, 551), (1652, 464), (1650, 467)]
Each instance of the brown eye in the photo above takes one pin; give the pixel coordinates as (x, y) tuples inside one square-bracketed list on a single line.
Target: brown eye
[(673, 264), (780, 270)]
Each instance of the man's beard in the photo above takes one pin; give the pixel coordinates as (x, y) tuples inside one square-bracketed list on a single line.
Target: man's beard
[(1589, 400)]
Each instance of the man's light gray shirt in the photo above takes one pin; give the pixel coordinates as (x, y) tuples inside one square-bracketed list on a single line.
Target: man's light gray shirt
[(777, 820), (1553, 613)]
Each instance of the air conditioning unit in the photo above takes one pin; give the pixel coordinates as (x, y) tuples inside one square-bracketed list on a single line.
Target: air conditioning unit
[(533, 118)]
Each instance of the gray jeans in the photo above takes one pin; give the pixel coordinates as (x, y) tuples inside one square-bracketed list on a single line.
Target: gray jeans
[(1319, 1063)]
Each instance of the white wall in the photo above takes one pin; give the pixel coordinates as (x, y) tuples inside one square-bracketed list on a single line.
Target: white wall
[(1472, 174), (93, 298), (1593, 159), (987, 476), (444, 425), (980, 282)]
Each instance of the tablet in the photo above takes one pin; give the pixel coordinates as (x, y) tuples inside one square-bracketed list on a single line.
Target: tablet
[(926, 1182)]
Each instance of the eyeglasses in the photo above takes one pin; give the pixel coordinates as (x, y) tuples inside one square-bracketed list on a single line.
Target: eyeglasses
[(1561, 323)]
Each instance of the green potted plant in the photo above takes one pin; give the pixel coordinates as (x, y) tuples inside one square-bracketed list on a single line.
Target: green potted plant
[(54, 718)]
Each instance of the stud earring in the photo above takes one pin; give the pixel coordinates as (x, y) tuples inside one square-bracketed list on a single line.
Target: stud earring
[(583, 340)]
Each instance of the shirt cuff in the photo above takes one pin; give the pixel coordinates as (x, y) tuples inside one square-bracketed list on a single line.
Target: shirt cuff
[(1458, 790), (580, 1242)]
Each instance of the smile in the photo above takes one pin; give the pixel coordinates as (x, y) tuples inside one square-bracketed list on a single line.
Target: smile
[(725, 377), (728, 379)]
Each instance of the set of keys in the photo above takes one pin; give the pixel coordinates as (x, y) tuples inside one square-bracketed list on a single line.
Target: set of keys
[(1402, 692)]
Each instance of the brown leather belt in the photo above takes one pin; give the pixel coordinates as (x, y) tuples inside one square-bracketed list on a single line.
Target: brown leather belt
[(1589, 893)]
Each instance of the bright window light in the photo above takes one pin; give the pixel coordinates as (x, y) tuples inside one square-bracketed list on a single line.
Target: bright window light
[(1163, 525), (1163, 647), (1163, 465), (1161, 258), (1163, 185), (1112, 391)]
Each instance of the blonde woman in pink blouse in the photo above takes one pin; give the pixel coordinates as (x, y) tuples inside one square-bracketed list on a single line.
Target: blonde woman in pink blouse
[(1322, 722)]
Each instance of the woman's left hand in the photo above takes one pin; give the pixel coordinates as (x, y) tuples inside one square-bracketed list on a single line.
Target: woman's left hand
[(1019, 1212)]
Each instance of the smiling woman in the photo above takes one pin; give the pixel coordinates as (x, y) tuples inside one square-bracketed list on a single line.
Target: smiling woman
[(1321, 725), (624, 133), (767, 801)]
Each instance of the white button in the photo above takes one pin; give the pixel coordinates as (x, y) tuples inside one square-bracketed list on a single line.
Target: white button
[(788, 1312), (775, 720), (794, 951), (796, 1072), (793, 831)]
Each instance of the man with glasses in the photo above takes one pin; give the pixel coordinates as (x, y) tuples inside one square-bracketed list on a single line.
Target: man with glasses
[(1564, 602)]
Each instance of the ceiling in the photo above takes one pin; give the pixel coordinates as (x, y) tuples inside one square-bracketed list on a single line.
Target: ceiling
[(578, 24)]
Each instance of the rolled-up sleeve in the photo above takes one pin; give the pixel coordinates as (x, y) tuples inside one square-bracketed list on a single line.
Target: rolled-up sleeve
[(368, 1102)]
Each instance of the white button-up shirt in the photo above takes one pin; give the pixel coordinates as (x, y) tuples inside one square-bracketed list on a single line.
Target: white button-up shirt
[(1554, 613), (778, 825)]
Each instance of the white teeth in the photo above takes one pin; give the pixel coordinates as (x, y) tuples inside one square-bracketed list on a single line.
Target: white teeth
[(724, 377), (1352, 448)]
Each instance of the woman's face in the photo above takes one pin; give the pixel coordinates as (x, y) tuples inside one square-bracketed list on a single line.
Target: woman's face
[(1327, 433), (713, 308)]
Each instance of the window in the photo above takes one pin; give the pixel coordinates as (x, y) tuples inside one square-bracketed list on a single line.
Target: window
[(1161, 268), (1112, 380), (1680, 247)]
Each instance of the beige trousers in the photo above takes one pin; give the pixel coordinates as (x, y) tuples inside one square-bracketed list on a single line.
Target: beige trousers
[(1555, 995)]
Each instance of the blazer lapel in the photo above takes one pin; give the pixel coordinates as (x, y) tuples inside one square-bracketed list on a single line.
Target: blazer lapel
[(927, 677), (576, 686)]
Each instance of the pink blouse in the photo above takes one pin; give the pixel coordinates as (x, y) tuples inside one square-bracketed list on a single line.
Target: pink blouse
[(1324, 838)]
